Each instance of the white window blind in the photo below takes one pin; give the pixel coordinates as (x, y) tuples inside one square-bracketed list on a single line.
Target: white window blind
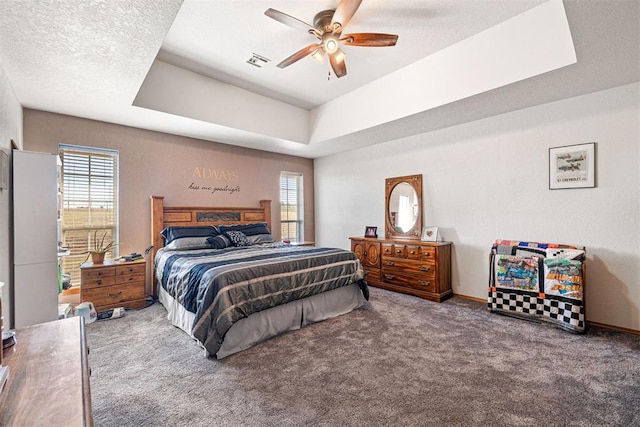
[(89, 184), (291, 206)]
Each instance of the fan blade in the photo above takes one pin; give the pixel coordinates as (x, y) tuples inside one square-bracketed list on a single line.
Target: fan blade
[(369, 39), (288, 20), (299, 55), (339, 66), (344, 12)]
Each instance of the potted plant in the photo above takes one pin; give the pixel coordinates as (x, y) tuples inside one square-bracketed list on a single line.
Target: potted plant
[(100, 248)]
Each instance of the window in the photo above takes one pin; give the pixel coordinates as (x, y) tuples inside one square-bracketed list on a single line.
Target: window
[(291, 206), (89, 186)]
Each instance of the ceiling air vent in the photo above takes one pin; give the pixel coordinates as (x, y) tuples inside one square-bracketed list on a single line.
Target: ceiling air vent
[(257, 60)]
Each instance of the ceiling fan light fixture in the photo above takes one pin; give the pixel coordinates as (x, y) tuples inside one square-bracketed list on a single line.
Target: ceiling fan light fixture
[(318, 55), (331, 45), (339, 55)]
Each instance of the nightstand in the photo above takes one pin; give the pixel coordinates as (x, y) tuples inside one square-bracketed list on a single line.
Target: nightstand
[(113, 284)]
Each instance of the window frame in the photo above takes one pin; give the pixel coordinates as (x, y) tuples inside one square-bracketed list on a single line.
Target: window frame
[(109, 195), (298, 178)]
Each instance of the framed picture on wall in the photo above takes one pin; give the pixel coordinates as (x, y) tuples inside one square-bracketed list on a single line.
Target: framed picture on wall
[(572, 166), (371, 231), (429, 234)]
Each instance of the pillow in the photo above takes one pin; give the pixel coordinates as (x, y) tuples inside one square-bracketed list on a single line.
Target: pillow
[(172, 233), (187, 237), (219, 242), (238, 238), (188, 243), (256, 232)]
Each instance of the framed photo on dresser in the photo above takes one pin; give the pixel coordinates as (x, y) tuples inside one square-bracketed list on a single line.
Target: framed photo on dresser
[(371, 231), (429, 234)]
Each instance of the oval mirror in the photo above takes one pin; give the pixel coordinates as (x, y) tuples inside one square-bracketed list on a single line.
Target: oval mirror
[(404, 207)]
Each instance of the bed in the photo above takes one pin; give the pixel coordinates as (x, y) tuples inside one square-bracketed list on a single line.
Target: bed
[(225, 282), (538, 281)]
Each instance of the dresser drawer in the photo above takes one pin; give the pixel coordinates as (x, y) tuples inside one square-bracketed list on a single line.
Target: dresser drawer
[(413, 252), (427, 253), (427, 284), (409, 266), (124, 270), (109, 295), (399, 251), (387, 250), (98, 281)]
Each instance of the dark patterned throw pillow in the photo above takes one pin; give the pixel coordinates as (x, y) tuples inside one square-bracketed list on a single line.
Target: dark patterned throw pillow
[(238, 238)]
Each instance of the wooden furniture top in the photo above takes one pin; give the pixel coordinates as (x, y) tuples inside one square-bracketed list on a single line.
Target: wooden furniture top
[(402, 241), (49, 380), (166, 216)]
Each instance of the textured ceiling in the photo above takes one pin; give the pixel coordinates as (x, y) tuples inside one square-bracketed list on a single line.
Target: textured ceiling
[(91, 58)]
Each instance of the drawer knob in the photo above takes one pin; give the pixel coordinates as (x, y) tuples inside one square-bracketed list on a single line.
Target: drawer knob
[(413, 252), (99, 282), (399, 251), (390, 263), (116, 294), (424, 268), (427, 254), (424, 283), (389, 276)]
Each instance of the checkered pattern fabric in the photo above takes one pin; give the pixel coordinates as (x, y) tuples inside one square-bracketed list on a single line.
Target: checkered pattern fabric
[(568, 314)]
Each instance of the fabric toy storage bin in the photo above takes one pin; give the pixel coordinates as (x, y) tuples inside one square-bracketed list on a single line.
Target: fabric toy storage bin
[(538, 281)]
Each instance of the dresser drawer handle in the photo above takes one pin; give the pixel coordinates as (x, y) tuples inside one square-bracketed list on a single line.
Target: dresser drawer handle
[(116, 294), (389, 276), (398, 251), (424, 268), (423, 283), (390, 263), (99, 282), (427, 254)]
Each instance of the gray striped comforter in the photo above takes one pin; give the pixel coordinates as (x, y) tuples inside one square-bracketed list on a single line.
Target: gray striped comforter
[(222, 286)]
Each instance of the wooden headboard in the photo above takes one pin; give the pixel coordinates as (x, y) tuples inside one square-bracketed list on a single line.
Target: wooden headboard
[(165, 216)]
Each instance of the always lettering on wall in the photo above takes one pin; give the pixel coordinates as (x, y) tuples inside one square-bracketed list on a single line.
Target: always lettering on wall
[(214, 181)]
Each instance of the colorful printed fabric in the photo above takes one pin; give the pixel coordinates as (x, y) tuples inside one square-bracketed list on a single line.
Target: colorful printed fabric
[(563, 277), (513, 272), (538, 280)]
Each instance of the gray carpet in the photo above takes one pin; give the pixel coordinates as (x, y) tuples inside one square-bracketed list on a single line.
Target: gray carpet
[(402, 362)]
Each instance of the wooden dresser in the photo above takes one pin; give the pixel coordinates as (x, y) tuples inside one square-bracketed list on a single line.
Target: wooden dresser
[(113, 284), (410, 266), (49, 380)]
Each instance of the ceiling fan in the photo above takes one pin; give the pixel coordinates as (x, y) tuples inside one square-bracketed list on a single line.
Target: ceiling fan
[(327, 27)]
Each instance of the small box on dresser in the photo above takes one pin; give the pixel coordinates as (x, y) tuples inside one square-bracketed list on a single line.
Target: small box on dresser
[(113, 284), (409, 266)]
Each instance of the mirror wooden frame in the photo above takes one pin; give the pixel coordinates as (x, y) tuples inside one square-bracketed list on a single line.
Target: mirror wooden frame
[(415, 232)]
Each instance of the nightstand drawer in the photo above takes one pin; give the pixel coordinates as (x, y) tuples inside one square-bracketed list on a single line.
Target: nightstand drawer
[(110, 295), (131, 278), (97, 272), (98, 281), (122, 270)]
